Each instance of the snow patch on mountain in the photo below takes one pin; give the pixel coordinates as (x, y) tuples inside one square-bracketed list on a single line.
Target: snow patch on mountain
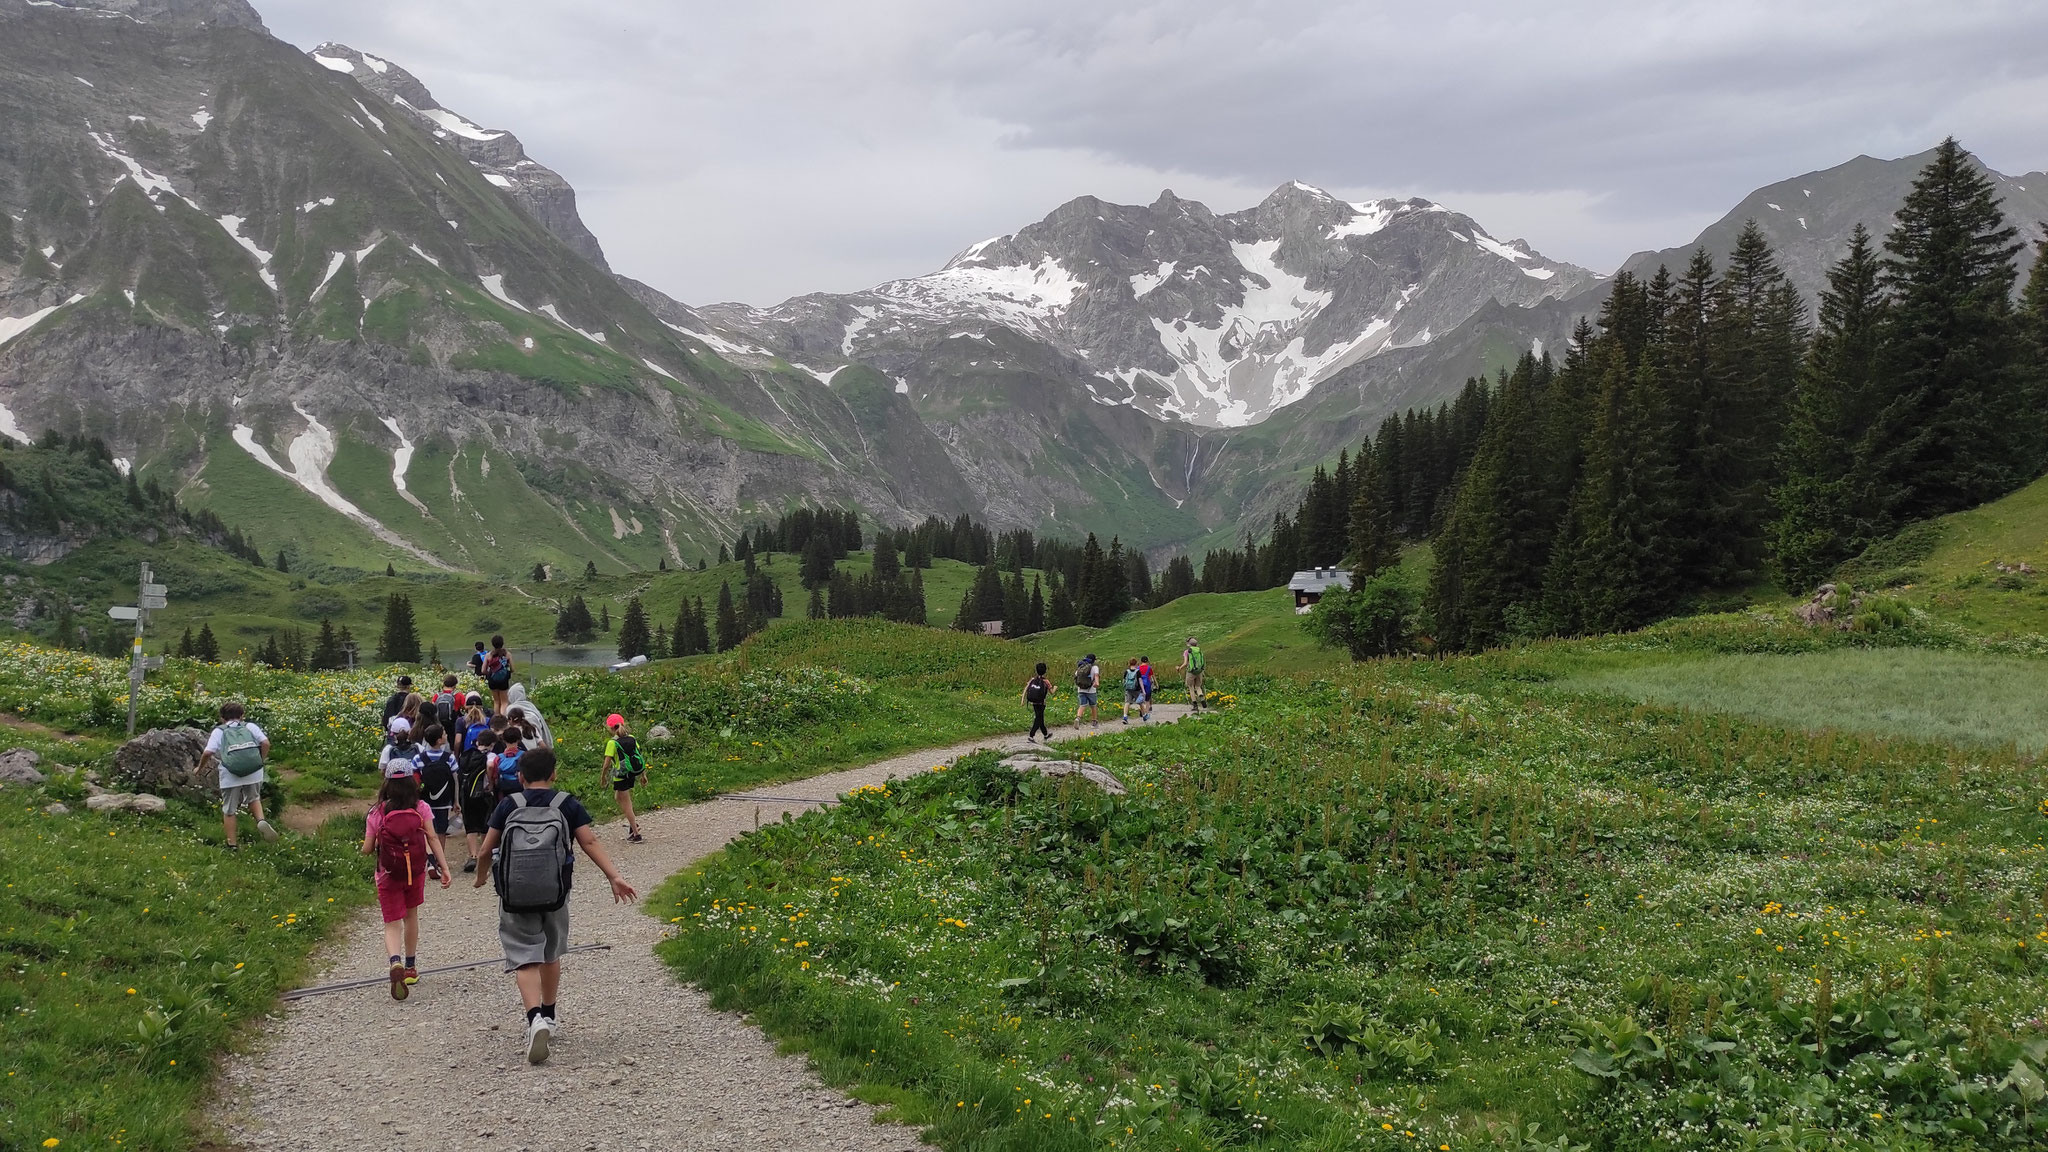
[(373, 117), (593, 337), (334, 264), (202, 118), (310, 453), (457, 124), (862, 315), (495, 285), (1142, 283), (1026, 295), (401, 461), (344, 67), (10, 427), (233, 225)]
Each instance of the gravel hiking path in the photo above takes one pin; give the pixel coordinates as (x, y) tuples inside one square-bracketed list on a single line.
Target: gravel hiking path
[(642, 1061)]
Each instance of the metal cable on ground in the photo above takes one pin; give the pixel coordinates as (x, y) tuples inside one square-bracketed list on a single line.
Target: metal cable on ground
[(346, 985), (779, 799)]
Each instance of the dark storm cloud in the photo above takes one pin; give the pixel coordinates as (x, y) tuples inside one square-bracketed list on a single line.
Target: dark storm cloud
[(760, 150)]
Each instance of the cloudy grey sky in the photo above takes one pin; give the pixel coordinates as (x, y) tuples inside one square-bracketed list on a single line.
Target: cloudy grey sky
[(761, 149)]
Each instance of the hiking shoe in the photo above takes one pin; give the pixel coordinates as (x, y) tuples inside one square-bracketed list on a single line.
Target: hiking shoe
[(412, 975), (232, 847), (470, 865), (635, 838), (269, 833), (399, 990), (539, 1031)]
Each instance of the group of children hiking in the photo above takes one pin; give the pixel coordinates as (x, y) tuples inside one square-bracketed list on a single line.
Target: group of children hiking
[(1139, 685), (446, 757)]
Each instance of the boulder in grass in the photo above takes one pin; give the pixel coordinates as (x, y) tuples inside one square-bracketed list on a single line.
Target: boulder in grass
[(658, 732), (163, 762), (18, 766), (57, 809)]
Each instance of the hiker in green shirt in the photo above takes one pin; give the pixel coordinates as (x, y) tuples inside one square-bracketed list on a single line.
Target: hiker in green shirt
[(1192, 665)]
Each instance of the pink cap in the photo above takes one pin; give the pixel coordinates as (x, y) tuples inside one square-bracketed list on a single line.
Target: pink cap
[(615, 721), (398, 768)]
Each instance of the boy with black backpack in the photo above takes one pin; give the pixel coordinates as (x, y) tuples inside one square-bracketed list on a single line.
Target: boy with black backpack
[(624, 764), (476, 779), (434, 764), (240, 748), (1087, 686), (1037, 691), (532, 835), (448, 704)]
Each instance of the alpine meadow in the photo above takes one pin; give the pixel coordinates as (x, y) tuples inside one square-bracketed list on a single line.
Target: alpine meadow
[(1313, 674)]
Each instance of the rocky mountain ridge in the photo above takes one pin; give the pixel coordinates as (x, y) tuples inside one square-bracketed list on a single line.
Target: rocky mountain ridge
[(1185, 314)]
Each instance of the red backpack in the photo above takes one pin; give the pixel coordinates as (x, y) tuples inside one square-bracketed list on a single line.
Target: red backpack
[(402, 844)]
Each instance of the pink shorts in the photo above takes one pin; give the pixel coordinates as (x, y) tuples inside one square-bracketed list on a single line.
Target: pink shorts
[(395, 897)]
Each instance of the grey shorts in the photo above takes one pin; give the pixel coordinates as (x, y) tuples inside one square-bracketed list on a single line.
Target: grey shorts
[(237, 797), (1133, 697), (533, 937), (1087, 700)]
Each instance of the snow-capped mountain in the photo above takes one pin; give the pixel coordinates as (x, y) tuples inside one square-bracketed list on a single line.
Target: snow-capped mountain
[(1185, 314), (494, 152)]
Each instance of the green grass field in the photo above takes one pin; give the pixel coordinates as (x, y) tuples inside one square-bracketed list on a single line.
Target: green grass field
[(1914, 693)]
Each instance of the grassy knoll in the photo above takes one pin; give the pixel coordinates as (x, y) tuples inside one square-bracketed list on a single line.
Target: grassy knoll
[(1416, 904), (136, 950), (1919, 694)]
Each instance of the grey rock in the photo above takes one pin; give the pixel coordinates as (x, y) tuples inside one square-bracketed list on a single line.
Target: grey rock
[(58, 809), (18, 766), (126, 802), (163, 761), (658, 732), (1027, 762)]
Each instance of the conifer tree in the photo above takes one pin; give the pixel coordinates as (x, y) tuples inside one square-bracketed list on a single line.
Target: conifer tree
[(1494, 548), (817, 609), (283, 563), (1759, 339), (1016, 608), (540, 573), (681, 635), (1034, 612), (634, 639), (1372, 522), (573, 624), (604, 617), (1822, 501), (915, 611), (1950, 433), (184, 648), (206, 647), (400, 641), (729, 634), (885, 565), (1062, 612), (268, 654), (662, 644)]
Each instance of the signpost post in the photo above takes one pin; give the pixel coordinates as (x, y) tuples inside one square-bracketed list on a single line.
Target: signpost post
[(149, 596)]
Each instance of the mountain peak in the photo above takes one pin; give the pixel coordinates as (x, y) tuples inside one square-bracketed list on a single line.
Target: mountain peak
[(498, 154), (176, 13)]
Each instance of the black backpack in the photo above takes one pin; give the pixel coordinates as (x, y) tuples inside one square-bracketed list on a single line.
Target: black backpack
[(1037, 690), (436, 767), (477, 781)]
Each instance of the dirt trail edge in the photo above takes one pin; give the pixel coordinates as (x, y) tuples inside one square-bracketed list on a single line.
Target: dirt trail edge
[(642, 1061)]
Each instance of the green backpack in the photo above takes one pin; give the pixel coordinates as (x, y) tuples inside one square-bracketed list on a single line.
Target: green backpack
[(241, 753), (1196, 663)]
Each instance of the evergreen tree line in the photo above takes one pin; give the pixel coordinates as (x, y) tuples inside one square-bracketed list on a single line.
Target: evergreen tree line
[(1704, 436), (837, 530), (70, 483)]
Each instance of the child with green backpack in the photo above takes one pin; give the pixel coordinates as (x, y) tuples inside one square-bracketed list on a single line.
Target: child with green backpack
[(239, 748), (624, 764)]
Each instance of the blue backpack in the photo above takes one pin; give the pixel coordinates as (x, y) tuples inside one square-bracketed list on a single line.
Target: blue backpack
[(508, 770)]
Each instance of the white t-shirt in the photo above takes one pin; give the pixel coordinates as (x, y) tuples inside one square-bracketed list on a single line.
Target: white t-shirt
[(229, 779)]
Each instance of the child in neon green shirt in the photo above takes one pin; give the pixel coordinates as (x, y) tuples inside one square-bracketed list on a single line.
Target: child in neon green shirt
[(624, 764)]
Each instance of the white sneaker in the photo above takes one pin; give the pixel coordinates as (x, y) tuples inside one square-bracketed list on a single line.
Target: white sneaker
[(539, 1031), (269, 833)]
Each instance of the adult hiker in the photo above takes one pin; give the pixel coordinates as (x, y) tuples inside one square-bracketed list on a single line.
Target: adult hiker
[(395, 703), (532, 834), (518, 707), (240, 749), (1134, 691), (1192, 665), (1037, 691), (399, 832), (624, 766), (498, 674), (1145, 684), (1088, 686)]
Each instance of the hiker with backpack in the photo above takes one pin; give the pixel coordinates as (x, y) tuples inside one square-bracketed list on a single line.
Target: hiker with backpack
[(399, 745), (1037, 691), (399, 832), (624, 764), (1134, 691), (476, 779), (1193, 664), (1145, 686), (522, 709), (1088, 685), (498, 674), (240, 749), (533, 835), (395, 703), (476, 661), (445, 708), (434, 765)]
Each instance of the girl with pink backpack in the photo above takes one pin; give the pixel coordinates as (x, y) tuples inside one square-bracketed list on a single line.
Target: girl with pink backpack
[(400, 834)]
